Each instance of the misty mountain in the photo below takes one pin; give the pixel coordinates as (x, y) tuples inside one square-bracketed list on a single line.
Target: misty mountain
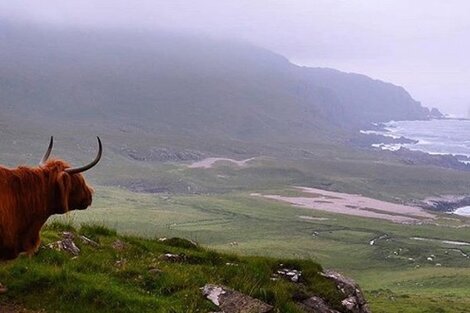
[(365, 100), (185, 85)]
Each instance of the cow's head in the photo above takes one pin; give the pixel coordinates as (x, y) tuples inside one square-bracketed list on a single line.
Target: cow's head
[(69, 188)]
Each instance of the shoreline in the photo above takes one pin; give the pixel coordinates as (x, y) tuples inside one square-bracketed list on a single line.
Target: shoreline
[(435, 144), (385, 130), (462, 211), (446, 204)]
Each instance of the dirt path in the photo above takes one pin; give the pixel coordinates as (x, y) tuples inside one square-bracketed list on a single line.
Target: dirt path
[(357, 205)]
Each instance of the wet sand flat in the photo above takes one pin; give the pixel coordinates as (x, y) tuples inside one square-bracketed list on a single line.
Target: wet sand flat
[(356, 205)]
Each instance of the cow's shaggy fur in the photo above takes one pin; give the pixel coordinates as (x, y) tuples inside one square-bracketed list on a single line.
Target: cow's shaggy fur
[(29, 196)]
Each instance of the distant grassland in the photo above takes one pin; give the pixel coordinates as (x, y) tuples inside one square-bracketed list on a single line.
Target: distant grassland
[(323, 164)]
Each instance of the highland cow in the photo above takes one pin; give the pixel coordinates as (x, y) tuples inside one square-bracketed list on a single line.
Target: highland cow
[(30, 195)]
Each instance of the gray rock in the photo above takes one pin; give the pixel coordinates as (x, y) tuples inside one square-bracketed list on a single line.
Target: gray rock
[(290, 274), (88, 241), (174, 258), (231, 301), (66, 244), (354, 300), (316, 305)]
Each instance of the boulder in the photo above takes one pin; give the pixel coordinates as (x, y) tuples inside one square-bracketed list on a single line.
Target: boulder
[(66, 244), (316, 305), (231, 301), (354, 300)]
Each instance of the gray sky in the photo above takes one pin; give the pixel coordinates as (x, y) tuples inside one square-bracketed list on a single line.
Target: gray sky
[(423, 45)]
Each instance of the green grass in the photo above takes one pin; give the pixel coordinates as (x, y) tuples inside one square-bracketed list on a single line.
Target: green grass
[(105, 279), (263, 227)]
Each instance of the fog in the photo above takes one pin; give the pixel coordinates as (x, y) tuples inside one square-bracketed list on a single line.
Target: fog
[(421, 45)]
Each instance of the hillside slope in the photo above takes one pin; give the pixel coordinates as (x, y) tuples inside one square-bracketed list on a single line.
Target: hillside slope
[(367, 100), (182, 85), (113, 273)]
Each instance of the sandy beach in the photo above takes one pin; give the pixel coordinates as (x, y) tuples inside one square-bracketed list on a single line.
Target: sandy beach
[(352, 204)]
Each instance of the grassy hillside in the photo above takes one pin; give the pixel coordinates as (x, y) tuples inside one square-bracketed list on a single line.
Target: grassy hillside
[(365, 100), (183, 86), (128, 274), (132, 276)]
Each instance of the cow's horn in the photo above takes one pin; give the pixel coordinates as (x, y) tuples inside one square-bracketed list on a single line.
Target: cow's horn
[(48, 152), (87, 167)]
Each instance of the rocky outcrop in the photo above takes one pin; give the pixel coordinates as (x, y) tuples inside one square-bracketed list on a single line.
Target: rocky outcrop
[(422, 158), (447, 203), (66, 244), (370, 139), (366, 140), (354, 300), (290, 274), (231, 301), (316, 305), (173, 258), (434, 113), (89, 242)]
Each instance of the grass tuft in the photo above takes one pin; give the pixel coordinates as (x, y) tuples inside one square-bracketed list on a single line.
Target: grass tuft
[(96, 230)]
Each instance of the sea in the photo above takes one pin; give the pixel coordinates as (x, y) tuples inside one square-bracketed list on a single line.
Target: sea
[(442, 136), (464, 211)]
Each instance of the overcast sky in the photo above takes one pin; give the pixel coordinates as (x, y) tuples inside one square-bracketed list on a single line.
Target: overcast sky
[(422, 45)]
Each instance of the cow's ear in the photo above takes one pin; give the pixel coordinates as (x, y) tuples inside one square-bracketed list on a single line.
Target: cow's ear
[(64, 186)]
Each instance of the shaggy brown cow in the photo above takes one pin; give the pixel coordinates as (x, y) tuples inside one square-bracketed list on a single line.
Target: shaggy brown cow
[(30, 195)]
